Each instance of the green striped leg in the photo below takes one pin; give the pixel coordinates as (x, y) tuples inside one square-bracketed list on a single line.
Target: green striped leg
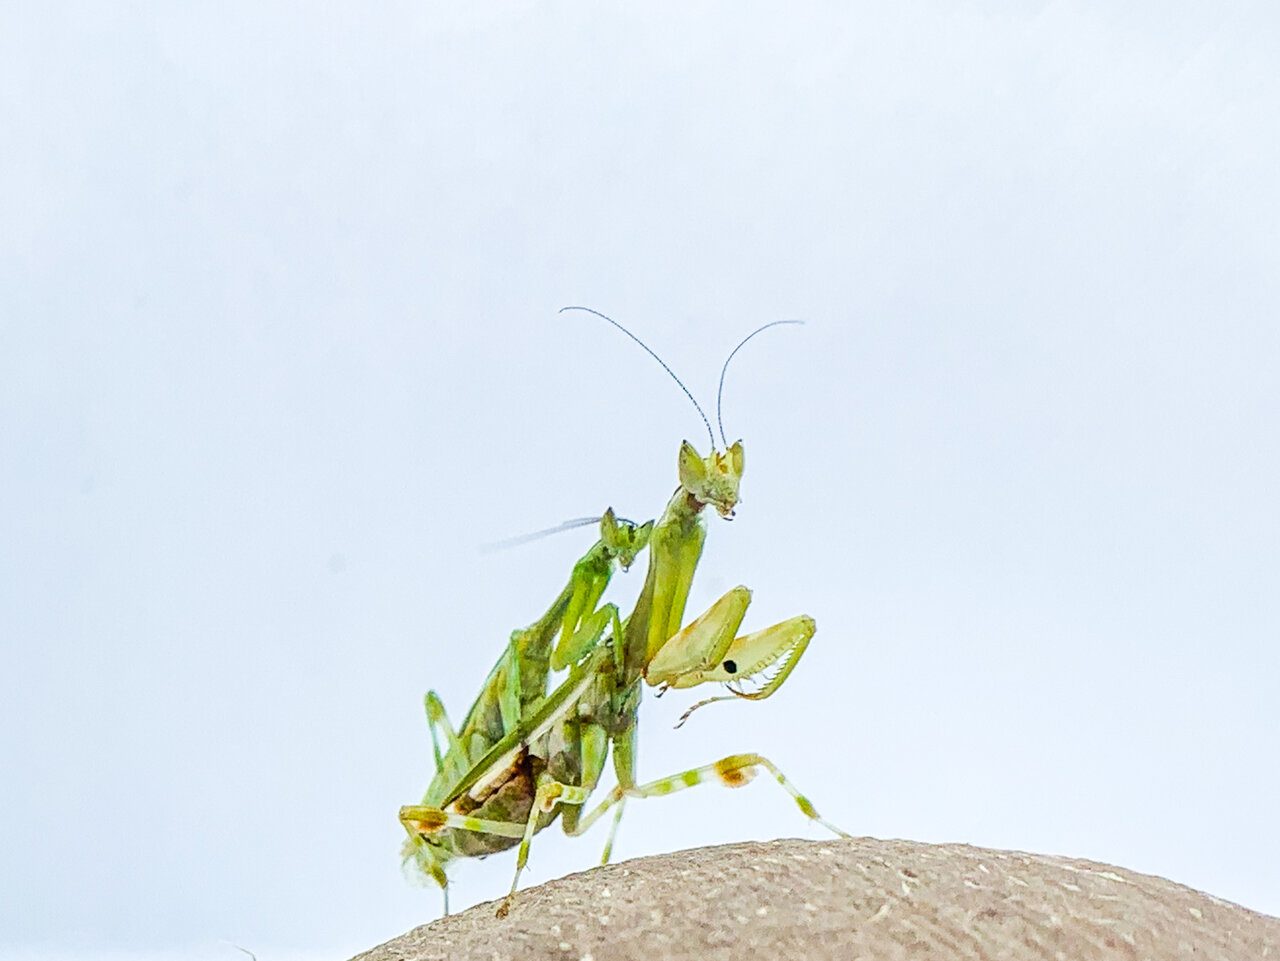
[(592, 746), (422, 819), (550, 793), (624, 766), (732, 771)]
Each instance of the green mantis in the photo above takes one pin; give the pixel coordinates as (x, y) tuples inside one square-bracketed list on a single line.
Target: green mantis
[(526, 756), (518, 680)]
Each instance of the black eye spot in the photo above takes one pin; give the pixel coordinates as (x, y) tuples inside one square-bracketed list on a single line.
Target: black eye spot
[(731, 667)]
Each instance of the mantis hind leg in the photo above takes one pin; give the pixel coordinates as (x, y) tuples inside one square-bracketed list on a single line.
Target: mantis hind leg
[(423, 822), (591, 745), (549, 794), (624, 766), (732, 771)]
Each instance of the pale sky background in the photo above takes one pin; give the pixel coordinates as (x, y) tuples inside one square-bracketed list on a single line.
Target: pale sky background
[(279, 351)]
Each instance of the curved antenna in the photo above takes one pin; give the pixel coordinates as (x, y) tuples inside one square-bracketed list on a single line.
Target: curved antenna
[(538, 535), (664, 364), (720, 391)]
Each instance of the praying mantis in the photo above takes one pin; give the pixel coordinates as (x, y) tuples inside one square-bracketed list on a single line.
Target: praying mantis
[(518, 681), (524, 756)]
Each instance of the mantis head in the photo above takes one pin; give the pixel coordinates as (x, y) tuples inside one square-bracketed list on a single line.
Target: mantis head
[(712, 479), (623, 539)]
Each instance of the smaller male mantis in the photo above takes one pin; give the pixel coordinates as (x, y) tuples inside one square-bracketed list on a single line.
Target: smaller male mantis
[(547, 763), (518, 681)]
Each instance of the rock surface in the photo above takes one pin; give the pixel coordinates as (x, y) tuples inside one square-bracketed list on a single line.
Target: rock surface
[(849, 899)]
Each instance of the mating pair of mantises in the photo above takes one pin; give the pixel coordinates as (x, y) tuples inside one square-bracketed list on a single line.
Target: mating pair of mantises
[(524, 757)]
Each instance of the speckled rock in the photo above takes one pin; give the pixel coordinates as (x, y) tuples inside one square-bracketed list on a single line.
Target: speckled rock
[(845, 900)]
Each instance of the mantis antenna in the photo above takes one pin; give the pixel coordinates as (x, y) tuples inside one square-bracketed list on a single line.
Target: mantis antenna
[(724, 369), (664, 364), (519, 539)]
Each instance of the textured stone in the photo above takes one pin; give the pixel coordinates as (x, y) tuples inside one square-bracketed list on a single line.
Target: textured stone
[(849, 899)]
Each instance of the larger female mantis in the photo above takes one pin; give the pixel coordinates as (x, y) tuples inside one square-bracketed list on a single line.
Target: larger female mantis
[(548, 764)]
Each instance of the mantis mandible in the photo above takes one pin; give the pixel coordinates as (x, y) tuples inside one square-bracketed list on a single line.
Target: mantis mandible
[(548, 764)]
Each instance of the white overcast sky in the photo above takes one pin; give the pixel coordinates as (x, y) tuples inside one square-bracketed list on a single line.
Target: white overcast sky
[(279, 351)]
